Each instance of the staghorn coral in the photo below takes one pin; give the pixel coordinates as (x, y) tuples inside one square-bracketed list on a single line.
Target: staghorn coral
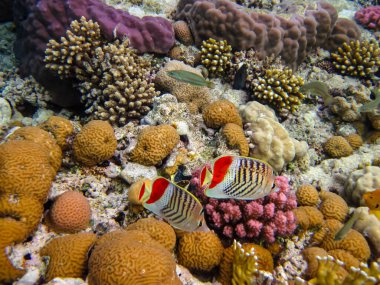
[(154, 144), (128, 261), (196, 97), (337, 146), (200, 251), (355, 140), (307, 195), (60, 128), (221, 112), (158, 230), (215, 56), (68, 255), (182, 32), (333, 206), (70, 213), (235, 137), (278, 88), (357, 58), (95, 143), (114, 81)]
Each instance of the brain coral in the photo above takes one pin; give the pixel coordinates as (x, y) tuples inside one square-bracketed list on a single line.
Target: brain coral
[(333, 206), (308, 217), (70, 212), (127, 261), (68, 255), (310, 255), (159, 230), (355, 140), (196, 97), (95, 143), (337, 146), (271, 140), (25, 169), (307, 195), (41, 137), (200, 251), (362, 181), (235, 137), (60, 128), (154, 144), (221, 112)]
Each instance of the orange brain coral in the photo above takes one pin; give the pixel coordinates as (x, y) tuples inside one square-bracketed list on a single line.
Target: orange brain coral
[(200, 251), (68, 255), (61, 128), (25, 169), (307, 195), (95, 143), (333, 206), (337, 146), (235, 137), (221, 112), (159, 230), (70, 212)]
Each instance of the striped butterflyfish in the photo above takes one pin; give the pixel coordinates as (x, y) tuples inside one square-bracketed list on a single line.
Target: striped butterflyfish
[(237, 177), (174, 204)]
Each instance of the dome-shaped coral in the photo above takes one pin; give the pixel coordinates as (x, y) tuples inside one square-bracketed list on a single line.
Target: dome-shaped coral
[(314, 216), (68, 255), (310, 255), (95, 143), (125, 261), (337, 146), (221, 112), (200, 251), (344, 256), (70, 212), (355, 140), (215, 56), (158, 230), (235, 137), (307, 195), (333, 206), (182, 32), (154, 144), (60, 128)]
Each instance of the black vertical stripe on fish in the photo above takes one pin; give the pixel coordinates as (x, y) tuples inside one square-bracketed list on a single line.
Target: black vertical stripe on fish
[(173, 207)]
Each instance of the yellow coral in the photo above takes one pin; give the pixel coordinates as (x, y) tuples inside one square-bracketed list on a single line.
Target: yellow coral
[(215, 56), (333, 206), (68, 255), (95, 143), (200, 251), (221, 112), (154, 144), (61, 128), (182, 32), (337, 146), (70, 212), (158, 230), (235, 137), (307, 195), (354, 140)]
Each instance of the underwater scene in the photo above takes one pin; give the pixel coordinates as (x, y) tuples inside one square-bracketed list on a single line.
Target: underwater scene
[(189, 142)]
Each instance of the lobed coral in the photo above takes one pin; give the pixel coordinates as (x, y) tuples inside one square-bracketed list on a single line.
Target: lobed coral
[(333, 206), (154, 144), (337, 146), (235, 137), (182, 32), (215, 56), (369, 17), (60, 128), (221, 112), (70, 212), (114, 81), (307, 195), (95, 143), (357, 58)]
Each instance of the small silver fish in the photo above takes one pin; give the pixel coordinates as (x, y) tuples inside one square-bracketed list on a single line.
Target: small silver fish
[(190, 77), (238, 177)]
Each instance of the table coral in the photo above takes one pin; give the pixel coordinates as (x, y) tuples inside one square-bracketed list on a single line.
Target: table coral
[(114, 81), (221, 112), (68, 255), (95, 143), (215, 56), (70, 212), (154, 144), (369, 17)]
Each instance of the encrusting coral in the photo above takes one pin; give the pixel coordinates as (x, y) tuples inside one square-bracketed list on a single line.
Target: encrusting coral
[(357, 58), (154, 144), (337, 146), (114, 81), (68, 255), (215, 56), (95, 143), (70, 212), (221, 112), (60, 128), (235, 137)]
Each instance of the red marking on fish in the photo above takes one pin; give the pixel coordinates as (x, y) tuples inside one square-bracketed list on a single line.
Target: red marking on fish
[(158, 189), (142, 191), (203, 175), (220, 170)]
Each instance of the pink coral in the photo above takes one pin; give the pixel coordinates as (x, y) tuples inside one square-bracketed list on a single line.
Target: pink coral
[(263, 219), (369, 17)]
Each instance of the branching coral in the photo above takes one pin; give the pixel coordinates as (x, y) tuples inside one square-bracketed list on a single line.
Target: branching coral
[(114, 81), (215, 56)]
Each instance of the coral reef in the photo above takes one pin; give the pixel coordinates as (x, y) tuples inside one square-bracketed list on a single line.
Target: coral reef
[(60, 128), (267, 34), (182, 32), (369, 17), (215, 56), (113, 79), (95, 143), (357, 58), (70, 213), (369, 225), (235, 137), (333, 206), (221, 112), (154, 144), (337, 146), (355, 140), (307, 195)]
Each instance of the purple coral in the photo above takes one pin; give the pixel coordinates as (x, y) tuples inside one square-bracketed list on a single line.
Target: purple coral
[(263, 219), (369, 17)]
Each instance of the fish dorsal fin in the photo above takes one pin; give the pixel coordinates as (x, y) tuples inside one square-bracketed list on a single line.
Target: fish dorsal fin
[(159, 186), (205, 176), (145, 190), (220, 169)]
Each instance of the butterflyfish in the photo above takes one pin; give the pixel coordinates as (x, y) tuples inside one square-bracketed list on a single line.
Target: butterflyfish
[(174, 204), (238, 177)]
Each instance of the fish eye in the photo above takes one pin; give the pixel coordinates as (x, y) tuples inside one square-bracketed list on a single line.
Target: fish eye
[(200, 223)]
